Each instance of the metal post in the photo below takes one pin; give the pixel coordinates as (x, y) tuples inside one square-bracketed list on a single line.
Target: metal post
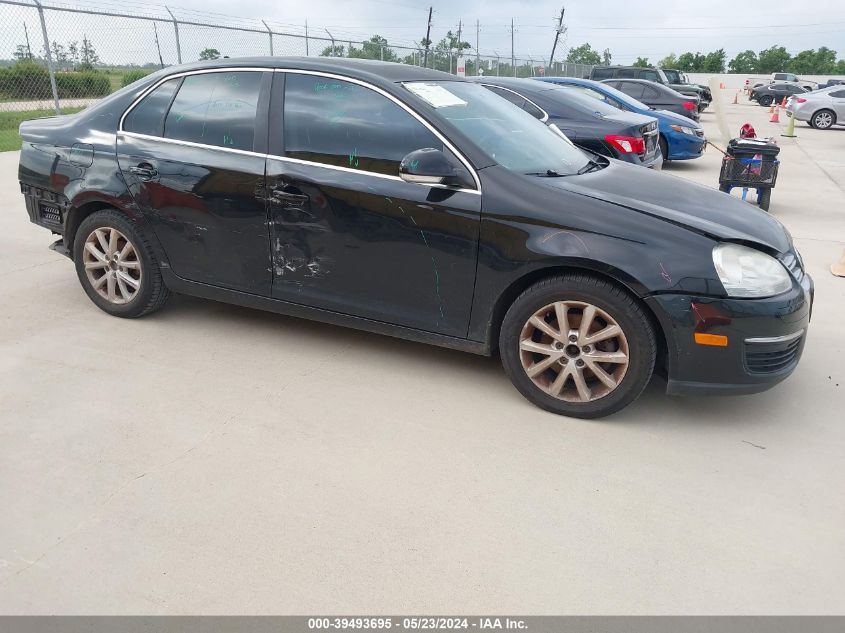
[(49, 56), (513, 59), (331, 37), (306, 38), (477, 54), (270, 33), (381, 52), (176, 29)]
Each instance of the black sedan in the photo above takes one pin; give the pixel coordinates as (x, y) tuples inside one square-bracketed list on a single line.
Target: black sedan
[(658, 96), (409, 202), (587, 122), (774, 93)]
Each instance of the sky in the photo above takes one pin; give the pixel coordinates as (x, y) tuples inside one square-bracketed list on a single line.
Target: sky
[(629, 28)]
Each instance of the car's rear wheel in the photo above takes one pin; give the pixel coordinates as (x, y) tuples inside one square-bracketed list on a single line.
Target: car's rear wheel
[(116, 265), (823, 119), (578, 345), (766, 100)]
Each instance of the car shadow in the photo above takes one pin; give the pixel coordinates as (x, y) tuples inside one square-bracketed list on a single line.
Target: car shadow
[(653, 408)]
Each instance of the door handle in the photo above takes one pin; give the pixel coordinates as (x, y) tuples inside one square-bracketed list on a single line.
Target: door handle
[(289, 197), (144, 171)]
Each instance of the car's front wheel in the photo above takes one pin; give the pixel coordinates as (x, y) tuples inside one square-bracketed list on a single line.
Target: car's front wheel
[(664, 147), (116, 265), (578, 345), (765, 101), (823, 119)]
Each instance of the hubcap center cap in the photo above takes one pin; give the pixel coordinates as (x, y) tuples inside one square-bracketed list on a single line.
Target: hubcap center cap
[(573, 351)]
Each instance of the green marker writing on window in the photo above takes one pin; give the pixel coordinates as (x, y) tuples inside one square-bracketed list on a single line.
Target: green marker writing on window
[(353, 158)]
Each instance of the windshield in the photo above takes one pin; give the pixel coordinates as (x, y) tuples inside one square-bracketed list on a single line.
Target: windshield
[(504, 132)]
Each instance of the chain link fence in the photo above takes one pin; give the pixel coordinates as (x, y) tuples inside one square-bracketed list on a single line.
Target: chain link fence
[(61, 57)]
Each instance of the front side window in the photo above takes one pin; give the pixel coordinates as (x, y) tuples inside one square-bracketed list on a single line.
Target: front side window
[(216, 109), (509, 136), (344, 124), (148, 116)]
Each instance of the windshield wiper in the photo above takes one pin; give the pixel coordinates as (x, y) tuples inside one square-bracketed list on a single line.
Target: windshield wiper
[(549, 173), (590, 166)]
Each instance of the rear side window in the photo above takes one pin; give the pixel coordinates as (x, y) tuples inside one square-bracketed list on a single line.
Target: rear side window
[(651, 75), (343, 124), (627, 73), (148, 116), (602, 73), (631, 89), (650, 92), (216, 109), (839, 94)]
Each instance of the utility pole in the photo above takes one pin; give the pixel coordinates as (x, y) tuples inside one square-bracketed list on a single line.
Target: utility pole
[(28, 49), (560, 30), (477, 54), (306, 38), (513, 61), (427, 41)]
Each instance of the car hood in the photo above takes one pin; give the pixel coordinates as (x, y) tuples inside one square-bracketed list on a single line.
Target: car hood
[(696, 207)]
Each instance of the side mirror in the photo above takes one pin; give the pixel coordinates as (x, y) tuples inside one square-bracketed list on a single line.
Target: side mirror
[(428, 166)]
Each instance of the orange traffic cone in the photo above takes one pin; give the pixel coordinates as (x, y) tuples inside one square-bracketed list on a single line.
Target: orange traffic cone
[(736, 96), (783, 103), (771, 108), (775, 117), (721, 86), (838, 268)]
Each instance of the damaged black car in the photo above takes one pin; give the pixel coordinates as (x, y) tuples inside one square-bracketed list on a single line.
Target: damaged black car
[(409, 202)]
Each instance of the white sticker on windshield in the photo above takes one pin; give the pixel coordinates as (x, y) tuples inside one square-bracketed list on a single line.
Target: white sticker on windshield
[(435, 94)]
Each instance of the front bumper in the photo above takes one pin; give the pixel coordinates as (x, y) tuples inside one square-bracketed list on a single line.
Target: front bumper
[(765, 340)]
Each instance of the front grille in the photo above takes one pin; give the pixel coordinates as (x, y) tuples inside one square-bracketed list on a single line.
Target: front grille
[(771, 356)]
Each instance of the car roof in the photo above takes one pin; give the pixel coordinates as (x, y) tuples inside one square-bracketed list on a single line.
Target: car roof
[(368, 69)]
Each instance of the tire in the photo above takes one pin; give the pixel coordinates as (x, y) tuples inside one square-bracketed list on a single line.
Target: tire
[(725, 188), (766, 101), (108, 244), (632, 351), (764, 198), (664, 147), (823, 119)]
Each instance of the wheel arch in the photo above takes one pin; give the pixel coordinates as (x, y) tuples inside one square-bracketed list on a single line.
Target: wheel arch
[(615, 276), (82, 207)]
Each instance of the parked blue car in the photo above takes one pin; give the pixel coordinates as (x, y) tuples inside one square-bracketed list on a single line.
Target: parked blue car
[(680, 137)]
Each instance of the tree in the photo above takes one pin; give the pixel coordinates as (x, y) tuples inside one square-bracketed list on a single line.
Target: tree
[(22, 52), (670, 61), (715, 62), (209, 53), (821, 62), (744, 62), (374, 48), (88, 56), (338, 50), (73, 53), (642, 62), (59, 54), (445, 50), (606, 57), (583, 54), (773, 60)]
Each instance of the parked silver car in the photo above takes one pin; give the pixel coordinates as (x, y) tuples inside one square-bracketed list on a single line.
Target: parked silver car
[(821, 109)]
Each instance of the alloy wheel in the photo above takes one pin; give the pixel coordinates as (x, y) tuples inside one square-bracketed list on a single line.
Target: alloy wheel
[(823, 120), (112, 265), (574, 351)]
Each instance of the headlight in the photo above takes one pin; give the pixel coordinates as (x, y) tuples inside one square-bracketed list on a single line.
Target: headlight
[(683, 129), (746, 272)]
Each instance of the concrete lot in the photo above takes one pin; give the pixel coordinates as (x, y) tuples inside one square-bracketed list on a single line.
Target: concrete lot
[(212, 459)]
